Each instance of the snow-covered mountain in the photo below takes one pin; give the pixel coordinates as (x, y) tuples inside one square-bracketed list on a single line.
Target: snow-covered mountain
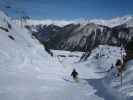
[(83, 35), (32, 22), (128, 20), (116, 21)]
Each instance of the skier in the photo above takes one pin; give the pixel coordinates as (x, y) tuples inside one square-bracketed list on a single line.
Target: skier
[(74, 74)]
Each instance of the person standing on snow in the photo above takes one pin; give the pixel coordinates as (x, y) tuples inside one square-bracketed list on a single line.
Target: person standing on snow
[(74, 74)]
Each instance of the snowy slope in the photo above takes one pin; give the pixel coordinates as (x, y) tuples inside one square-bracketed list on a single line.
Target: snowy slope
[(97, 70), (101, 60), (27, 72), (97, 64)]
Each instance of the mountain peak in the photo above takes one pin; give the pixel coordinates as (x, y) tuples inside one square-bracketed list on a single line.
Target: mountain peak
[(127, 20), (114, 22)]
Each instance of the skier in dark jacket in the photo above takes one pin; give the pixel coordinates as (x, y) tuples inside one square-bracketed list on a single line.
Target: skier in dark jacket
[(74, 74)]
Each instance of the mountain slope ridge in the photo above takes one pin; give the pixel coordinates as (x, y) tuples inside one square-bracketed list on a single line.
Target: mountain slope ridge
[(112, 22)]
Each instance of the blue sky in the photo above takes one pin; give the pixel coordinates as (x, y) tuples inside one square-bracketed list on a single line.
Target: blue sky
[(70, 9)]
